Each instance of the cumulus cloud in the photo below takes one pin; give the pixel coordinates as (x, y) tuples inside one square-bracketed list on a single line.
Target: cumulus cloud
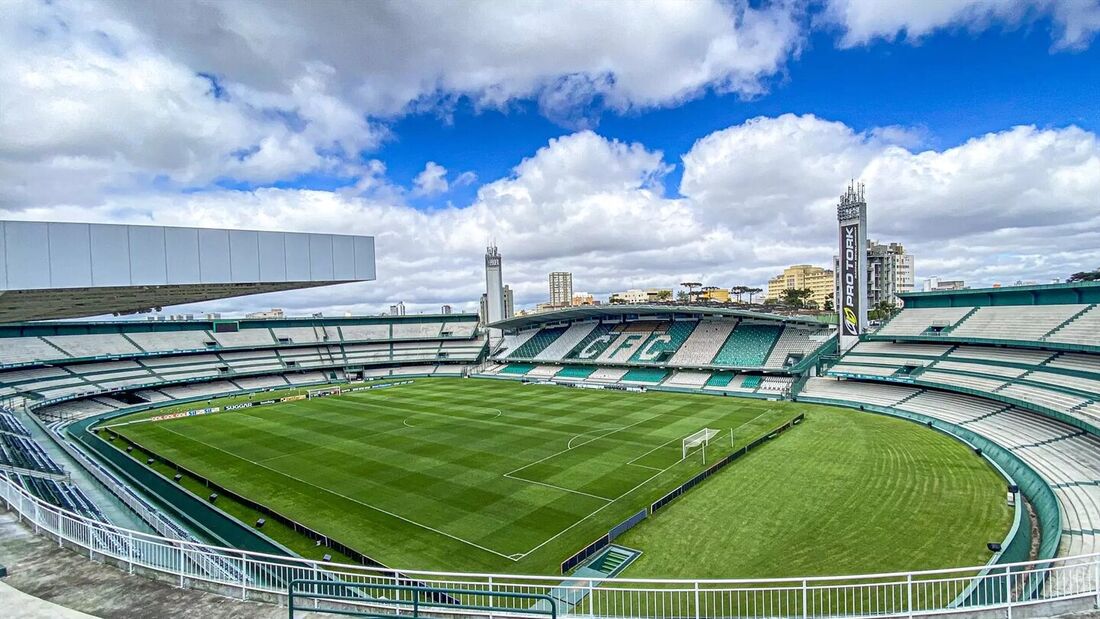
[(1016, 204), (1075, 22), (431, 181)]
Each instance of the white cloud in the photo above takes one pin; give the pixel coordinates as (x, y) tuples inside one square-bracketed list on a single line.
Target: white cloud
[(1017, 204), (1075, 21), (431, 181)]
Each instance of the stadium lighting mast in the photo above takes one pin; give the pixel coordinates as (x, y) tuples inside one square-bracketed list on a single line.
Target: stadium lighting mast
[(494, 290), (851, 294)]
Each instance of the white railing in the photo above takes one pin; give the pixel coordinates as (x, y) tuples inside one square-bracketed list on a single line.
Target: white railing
[(260, 576)]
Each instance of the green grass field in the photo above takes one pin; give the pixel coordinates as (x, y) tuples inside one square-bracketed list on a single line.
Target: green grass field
[(464, 474)]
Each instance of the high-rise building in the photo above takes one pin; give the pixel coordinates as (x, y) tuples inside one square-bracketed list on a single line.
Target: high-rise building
[(446, 309), (494, 289), (398, 309), (819, 281), (509, 302), (890, 271), (561, 288)]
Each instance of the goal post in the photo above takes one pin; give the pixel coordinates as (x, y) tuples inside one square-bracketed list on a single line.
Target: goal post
[(320, 393), (698, 439)]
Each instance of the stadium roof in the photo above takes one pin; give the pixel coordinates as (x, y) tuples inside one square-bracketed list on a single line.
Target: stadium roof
[(72, 270), (599, 311), (1034, 294)]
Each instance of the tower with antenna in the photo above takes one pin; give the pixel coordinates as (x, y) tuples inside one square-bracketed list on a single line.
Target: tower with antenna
[(851, 294), (494, 289)]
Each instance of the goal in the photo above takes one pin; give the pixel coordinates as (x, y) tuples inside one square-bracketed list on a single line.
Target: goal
[(698, 439), (320, 393)]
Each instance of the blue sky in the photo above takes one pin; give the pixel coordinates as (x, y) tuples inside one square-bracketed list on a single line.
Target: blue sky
[(948, 87), (633, 143)]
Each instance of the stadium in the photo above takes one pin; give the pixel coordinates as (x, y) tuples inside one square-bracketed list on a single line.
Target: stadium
[(657, 460)]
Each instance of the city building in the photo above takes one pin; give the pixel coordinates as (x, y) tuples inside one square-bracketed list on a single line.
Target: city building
[(509, 302), (274, 312), (446, 309), (398, 310), (713, 294), (934, 284), (821, 283), (890, 271), (561, 288), (636, 295), (583, 298)]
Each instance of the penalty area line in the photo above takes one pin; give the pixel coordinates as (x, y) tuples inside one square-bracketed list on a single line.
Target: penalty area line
[(563, 489)]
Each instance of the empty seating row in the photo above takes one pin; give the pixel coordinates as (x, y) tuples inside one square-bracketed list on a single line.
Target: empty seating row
[(703, 343), (917, 321), (139, 340), (748, 345)]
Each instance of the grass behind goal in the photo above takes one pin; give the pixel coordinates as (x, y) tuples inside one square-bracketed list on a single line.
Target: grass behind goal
[(460, 474)]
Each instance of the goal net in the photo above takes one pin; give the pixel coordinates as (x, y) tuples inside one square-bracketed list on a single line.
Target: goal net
[(698, 439), (320, 393)]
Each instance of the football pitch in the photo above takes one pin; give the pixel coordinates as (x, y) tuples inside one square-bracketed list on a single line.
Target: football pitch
[(498, 476)]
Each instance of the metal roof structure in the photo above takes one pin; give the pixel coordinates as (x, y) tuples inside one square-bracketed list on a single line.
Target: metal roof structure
[(587, 312), (51, 270)]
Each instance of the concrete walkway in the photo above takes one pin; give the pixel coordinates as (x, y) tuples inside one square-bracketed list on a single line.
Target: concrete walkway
[(38, 568)]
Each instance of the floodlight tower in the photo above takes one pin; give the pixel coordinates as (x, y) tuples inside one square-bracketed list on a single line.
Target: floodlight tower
[(851, 294), (494, 290)]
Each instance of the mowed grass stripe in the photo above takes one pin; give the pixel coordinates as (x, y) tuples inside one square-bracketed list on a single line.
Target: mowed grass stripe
[(447, 474)]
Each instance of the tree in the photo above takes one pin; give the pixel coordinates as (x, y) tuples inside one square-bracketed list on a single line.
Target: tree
[(737, 291), (753, 292), (691, 286), (883, 310), (795, 297), (1085, 276), (828, 307), (664, 295)]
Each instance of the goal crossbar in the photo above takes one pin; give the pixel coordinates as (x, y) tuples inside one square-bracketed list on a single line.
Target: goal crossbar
[(702, 437)]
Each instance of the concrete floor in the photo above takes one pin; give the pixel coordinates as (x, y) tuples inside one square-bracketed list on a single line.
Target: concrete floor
[(62, 578)]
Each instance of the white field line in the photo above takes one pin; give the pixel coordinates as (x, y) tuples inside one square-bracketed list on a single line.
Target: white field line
[(353, 500), (540, 483), (602, 507), (569, 446)]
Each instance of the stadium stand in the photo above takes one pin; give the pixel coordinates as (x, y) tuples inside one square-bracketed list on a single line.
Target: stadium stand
[(1080, 329), (703, 343), (594, 344), (536, 343), (660, 347), (644, 375), (918, 321), (748, 345), (688, 379), (1016, 322)]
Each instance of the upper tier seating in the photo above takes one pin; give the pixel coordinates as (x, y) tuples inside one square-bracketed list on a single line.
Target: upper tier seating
[(748, 345), (93, 345), (160, 341), (918, 320), (352, 333), (557, 349), (849, 367), (870, 393), (459, 329), (1081, 330), (662, 346), (594, 344), (794, 341), (26, 349), (300, 335), (536, 343), (421, 330), (1015, 322), (245, 337), (703, 343)]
